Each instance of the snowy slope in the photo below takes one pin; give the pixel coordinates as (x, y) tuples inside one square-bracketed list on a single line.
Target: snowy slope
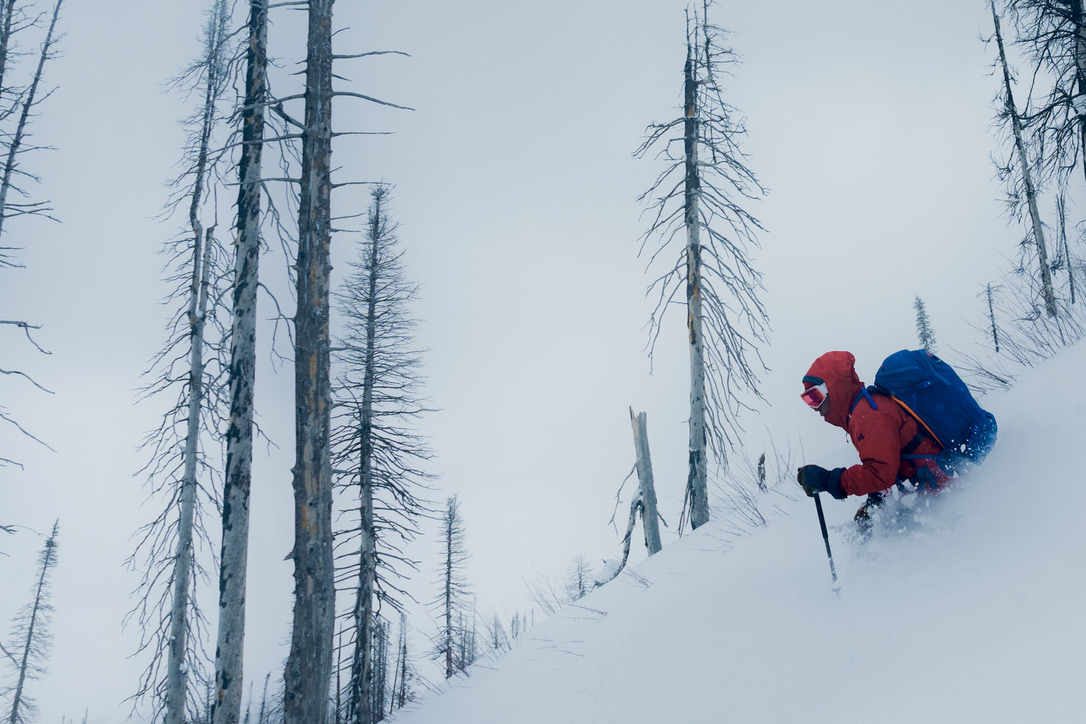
[(974, 614)]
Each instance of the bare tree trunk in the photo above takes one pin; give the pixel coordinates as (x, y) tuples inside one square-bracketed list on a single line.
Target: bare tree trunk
[(7, 8), (361, 701), (650, 520), (176, 673), (1061, 208), (360, 709), (451, 600), (702, 192), (239, 437), (627, 540), (400, 687), (696, 488), (1077, 20), (309, 665), (448, 635), (260, 718), (382, 639), (1027, 177), (991, 318)]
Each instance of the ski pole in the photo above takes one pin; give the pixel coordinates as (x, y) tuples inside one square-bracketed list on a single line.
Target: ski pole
[(826, 538)]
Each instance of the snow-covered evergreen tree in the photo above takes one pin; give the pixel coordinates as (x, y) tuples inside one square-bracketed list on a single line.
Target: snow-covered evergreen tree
[(924, 332)]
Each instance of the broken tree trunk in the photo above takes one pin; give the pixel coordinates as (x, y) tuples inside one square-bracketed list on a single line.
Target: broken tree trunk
[(650, 521)]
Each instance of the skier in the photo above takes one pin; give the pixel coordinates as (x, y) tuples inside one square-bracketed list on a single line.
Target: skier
[(890, 442)]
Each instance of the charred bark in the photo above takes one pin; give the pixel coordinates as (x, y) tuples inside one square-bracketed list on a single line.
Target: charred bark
[(242, 371), (309, 665)]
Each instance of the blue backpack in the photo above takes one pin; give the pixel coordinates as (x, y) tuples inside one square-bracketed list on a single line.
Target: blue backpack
[(933, 394)]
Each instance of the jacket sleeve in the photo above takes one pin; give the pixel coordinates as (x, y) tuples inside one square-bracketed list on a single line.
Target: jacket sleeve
[(877, 438)]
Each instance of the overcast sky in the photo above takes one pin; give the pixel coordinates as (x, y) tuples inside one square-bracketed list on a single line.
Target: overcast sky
[(516, 194)]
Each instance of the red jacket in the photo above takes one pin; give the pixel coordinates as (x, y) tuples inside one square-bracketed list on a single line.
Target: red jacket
[(878, 427)]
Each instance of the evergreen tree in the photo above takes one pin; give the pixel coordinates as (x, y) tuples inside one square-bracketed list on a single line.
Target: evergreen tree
[(924, 333)]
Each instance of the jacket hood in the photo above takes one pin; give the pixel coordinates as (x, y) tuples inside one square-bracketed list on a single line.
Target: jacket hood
[(838, 371)]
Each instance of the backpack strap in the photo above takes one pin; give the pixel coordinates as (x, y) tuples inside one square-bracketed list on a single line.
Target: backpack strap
[(924, 429), (923, 426), (922, 432), (907, 451), (859, 396)]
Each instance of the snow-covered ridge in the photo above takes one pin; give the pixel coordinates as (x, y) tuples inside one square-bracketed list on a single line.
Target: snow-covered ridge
[(972, 615)]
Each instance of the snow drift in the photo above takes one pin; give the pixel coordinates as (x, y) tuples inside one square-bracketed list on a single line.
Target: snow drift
[(971, 614)]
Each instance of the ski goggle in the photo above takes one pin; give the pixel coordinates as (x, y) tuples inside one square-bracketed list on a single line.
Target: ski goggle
[(815, 396)]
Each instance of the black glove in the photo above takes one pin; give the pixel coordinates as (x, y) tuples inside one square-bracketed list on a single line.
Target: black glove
[(815, 479)]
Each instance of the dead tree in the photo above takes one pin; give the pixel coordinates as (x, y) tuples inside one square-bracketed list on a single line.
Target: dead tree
[(376, 454), (403, 672), (378, 691), (8, 26), (1066, 259), (451, 603), (1027, 335), (992, 319), (32, 634), (647, 489), (1053, 35), (1021, 180), (6, 417), (242, 376), (173, 627), (309, 665), (579, 579), (698, 198), (642, 505), (27, 102), (18, 105)]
